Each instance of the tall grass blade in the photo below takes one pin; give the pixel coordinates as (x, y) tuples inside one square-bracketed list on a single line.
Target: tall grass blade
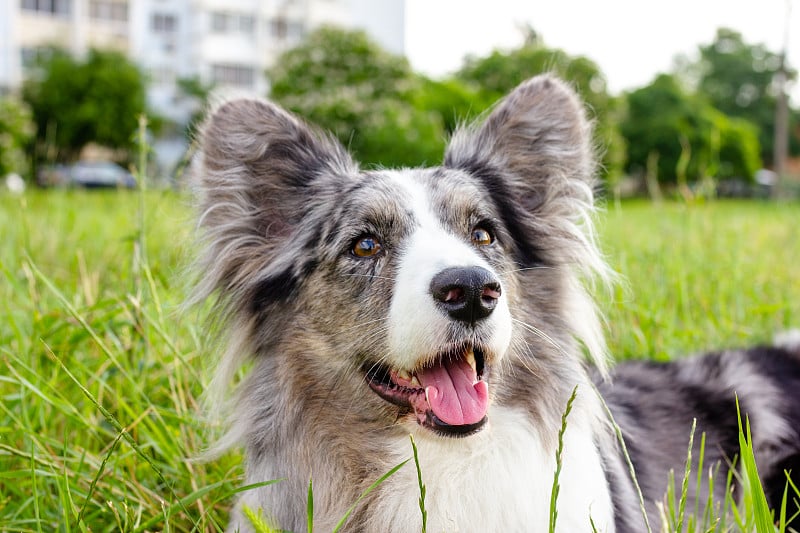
[(364, 494), (257, 521), (686, 473), (631, 469), (761, 512), (421, 486), (559, 462), (99, 473), (34, 487), (310, 507)]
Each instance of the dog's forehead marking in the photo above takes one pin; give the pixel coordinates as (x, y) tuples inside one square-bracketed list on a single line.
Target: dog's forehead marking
[(416, 199)]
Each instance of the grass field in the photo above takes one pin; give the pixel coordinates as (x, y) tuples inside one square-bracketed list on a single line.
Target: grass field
[(101, 374)]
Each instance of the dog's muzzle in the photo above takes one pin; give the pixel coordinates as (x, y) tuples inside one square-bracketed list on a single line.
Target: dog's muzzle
[(448, 392)]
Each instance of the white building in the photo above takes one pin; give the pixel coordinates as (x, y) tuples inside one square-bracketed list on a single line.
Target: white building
[(227, 43)]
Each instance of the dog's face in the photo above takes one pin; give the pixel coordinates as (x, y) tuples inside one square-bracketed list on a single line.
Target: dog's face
[(421, 254), (401, 287)]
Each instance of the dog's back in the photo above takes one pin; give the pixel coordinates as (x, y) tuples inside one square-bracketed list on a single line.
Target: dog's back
[(656, 405)]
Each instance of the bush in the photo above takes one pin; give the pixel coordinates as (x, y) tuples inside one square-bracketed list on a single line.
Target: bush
[(16, 132)]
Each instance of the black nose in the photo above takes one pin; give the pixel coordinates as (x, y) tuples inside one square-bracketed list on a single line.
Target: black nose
[(468, 294)]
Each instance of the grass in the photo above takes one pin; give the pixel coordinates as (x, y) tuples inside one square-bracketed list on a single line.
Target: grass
[(100, 375)]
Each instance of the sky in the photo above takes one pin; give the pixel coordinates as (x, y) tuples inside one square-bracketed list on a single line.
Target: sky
[(631, 40)]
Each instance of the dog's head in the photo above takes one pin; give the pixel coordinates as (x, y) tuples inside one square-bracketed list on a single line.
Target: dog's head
[(419, 290)]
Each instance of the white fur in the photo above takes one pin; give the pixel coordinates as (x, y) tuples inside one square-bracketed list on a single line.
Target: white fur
[(498, 480), (416, 326)]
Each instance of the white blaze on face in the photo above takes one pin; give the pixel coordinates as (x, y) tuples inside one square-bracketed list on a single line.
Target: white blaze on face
[(417, 327)]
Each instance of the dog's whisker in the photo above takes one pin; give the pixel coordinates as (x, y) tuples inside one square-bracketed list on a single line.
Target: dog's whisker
[(371, 276), (542, 335), (525, 269)]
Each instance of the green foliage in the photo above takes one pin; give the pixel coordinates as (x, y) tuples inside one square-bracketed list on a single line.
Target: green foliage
[(198, 91), (16, 132), (495, 75), (690, 137), (76, 102), (737, 78), (454, 101), (345, 83)]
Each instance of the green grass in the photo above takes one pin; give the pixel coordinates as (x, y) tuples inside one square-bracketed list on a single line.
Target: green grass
[(100, 375), (702, 276)]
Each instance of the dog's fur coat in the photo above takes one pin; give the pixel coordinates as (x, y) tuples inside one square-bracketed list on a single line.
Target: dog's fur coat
[(355, 293)]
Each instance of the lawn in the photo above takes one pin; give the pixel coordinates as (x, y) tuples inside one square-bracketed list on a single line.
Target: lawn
[(102, 371)]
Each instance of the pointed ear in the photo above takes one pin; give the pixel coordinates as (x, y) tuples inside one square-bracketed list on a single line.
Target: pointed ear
[(258, 170), (259, 158), (539, 136)]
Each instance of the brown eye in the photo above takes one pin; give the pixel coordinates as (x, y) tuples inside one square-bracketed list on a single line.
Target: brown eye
[(481, 236), (366, 246)]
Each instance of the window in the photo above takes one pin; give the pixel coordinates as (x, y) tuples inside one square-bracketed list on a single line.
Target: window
[(163, 23), (225, 22), (247, 24), (282, 29), (220, 22), (239, 75), (162, 75), (108, 10), (50, 7), (29, 57)]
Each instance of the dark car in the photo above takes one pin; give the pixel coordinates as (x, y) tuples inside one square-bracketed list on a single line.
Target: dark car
[(87, 174)]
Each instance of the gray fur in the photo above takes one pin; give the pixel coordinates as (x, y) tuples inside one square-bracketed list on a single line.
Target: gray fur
[(281, 204)]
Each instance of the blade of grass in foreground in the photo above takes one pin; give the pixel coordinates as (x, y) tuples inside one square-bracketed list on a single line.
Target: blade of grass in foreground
[(310, 507), (761, 512), (559, 461), (421, 487), (686, 473), (364, 494), (631, 469)]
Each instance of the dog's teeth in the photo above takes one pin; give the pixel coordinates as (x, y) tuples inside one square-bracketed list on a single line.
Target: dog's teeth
[(404, 375), (415, 382), (470, 357)]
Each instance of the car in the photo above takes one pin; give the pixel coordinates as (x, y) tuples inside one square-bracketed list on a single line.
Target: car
[(98, 174), (87, 174)]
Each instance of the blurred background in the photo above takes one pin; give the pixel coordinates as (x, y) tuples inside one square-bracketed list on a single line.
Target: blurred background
[(689, 98)]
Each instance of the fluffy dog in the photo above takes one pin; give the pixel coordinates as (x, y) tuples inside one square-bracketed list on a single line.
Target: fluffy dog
[(448, 303)]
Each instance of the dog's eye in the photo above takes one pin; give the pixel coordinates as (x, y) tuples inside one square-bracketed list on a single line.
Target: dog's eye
[(481, 236), (366, 246)]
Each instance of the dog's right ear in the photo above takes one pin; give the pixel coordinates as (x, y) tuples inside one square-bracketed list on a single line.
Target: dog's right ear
[(258, 171)]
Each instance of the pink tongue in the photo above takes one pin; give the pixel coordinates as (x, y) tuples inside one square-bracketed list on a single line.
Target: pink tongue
[(455, 394)]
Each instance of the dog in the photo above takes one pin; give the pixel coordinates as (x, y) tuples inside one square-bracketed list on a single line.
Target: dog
[(451, 304)]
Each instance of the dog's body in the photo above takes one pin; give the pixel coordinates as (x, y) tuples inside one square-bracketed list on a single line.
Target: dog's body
[(448, 303)]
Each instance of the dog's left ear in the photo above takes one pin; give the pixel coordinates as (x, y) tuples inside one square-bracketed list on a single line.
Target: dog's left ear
[(538, 136)]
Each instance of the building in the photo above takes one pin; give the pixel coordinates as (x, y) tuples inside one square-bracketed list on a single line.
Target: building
[(227, 43)]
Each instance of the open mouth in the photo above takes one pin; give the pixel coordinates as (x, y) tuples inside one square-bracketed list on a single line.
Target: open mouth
[(449, 395)]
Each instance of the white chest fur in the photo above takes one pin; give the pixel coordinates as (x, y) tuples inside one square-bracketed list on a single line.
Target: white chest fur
[(498, 480)]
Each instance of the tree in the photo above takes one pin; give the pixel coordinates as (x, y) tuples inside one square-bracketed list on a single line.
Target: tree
[(347, 84), (496, 74), (691, 138), (76, 102), (16, 132), (737, 77)]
